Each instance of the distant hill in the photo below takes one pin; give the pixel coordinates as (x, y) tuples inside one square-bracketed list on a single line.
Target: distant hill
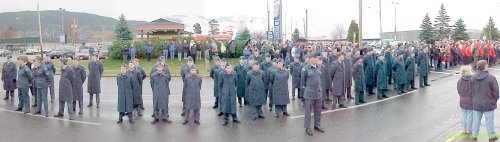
[(26, 21)]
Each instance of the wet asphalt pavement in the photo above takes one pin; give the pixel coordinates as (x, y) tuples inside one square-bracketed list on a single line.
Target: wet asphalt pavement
[(427, 114)]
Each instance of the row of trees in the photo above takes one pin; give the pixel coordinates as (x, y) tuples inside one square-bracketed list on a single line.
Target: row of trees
[(442, 29)]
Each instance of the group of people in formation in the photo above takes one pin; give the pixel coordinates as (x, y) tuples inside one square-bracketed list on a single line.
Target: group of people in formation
[(318, 75), (37, 78)]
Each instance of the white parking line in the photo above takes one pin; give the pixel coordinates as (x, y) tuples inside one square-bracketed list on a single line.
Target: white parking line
[(53, 118), (365, 104)]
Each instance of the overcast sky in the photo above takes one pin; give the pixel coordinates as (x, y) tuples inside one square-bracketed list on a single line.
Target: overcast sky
[(323, 14)]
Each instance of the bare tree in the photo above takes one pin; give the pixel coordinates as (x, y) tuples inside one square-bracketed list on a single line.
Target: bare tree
[(339, 32), (258, 36)]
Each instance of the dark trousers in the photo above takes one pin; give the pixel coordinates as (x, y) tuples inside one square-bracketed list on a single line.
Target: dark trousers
[(359, 97), (33, 93), (42, 100), (258, 111), (149, 56), (293, 91), (216, 101), (24, 99), (121, 114), (312, 105), (411, 84), (381, 92), (9, 93), (422, 80), (338, 99), (233, 115), (97, 99), (280, 109), (348, 92)]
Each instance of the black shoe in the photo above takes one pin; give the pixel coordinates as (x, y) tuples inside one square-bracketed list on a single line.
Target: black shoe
[(119, 121), (277, 116), (142, 108), (98, 106), (309, 132), (342, 106), (427, 84), (182, 114), (384, 96), (225, 123), (5, 98), (81, 112), (262, 117), (413, 88), (241, 106), (323, 107), (185, 122), (493, 139), (131, 121), (362, 102), (421, 86), (215, 106), (38, 113), (19, 109), (33, 105), (197, 122), (59, 115), (319, 129), (220, 114), (286, 114), (167, 121), (236, 121), (155, 121), (271, 109), (90, 105), (293, 98), (403, 92), (380, 98)]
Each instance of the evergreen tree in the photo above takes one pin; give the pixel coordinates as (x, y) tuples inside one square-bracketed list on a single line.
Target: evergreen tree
[(244, 34), (353, 32), (122, 31), (427, 31), (295, 35), (442, 25), (197, 28), (490, 31), (459, 31), (214, 27)]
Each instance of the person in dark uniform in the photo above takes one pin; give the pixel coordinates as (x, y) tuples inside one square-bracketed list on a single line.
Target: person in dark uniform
[(264, 66), (241, 74), (295, 68), (41, 81), (185, 70), (192, 100), (66, 89), (338, 85), (380, 69), (9, 74), (94, 83), (142, 75), (52, 70), (358, 74), (311, 82), (255, 94), (125, 100), (388, 58), (161, 90), (227, 84), (248, 68), (80, 77), (24, 78), (399, 72), (136, 81), (279, 81), (410, 72), (423, 67), (214, 72), (348, 61), (368, 66)]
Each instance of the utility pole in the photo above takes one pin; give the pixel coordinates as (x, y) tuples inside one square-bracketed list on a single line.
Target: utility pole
[(380, 20), (360, 37), (268, 28), (40, 29), (307, 26), (395, 30)]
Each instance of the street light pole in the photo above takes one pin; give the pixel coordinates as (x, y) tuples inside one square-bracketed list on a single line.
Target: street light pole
[(380, 20), (360, 37), (40, 29), (395, 30)]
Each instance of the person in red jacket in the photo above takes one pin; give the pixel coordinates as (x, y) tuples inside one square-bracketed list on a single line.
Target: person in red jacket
[(491, 53)]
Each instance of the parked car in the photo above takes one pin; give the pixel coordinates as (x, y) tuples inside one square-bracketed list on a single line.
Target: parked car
[(32, 51), (62, 52), (83, 54), (103, 52), (5, 53)]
